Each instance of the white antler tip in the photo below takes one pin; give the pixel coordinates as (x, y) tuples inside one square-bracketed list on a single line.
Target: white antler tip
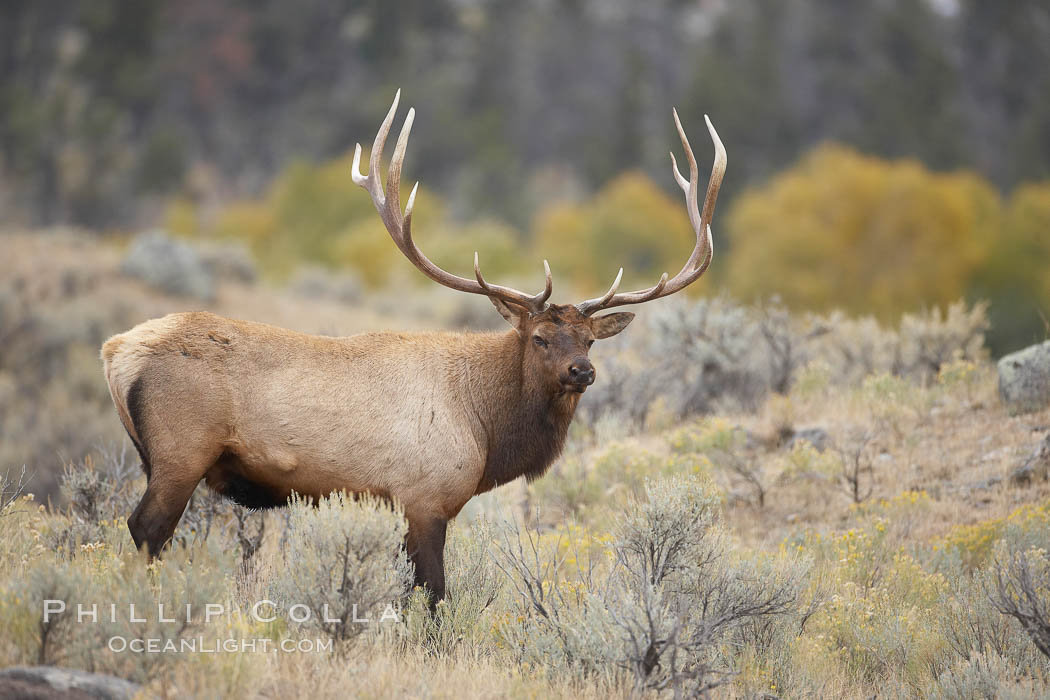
[(355, 168), (411, 200), (393, 108)]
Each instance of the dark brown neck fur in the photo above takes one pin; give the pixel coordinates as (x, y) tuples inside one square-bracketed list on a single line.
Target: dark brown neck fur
[(524, 427)]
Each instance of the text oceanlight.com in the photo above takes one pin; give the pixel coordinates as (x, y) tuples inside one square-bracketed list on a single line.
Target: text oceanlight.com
[(215, 645)]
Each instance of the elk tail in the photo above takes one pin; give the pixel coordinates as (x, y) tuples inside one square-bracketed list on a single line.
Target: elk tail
[(125, 388)]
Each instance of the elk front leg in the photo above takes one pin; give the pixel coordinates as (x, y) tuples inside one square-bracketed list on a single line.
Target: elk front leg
[(426, 549)]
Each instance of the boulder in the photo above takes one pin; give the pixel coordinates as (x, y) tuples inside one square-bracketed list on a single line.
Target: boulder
[(52, 683), (1036, 467), (1024, 379)]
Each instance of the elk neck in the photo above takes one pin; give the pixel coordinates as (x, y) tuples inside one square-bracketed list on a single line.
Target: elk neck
[(522, 426)]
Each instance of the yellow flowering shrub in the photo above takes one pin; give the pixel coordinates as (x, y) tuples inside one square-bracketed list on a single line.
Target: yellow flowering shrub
[(893, 402), (885, 630), (713, 433), (974, 544)]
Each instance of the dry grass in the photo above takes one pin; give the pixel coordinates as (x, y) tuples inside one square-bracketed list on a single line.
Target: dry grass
[(959, 450), (890, 590)]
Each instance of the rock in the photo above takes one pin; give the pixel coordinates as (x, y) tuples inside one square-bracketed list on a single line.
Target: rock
[(818, 437), (169, 265), (1036, 467), (1024, 379), (51, 683)]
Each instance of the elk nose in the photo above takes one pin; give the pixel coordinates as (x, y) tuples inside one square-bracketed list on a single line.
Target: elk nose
[(582, 372)]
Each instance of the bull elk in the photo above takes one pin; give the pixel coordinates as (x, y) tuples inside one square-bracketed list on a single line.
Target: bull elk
[(428, 420)]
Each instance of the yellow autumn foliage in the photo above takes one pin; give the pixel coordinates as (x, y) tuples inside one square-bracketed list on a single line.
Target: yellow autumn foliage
[(629, 223), (315, 213), (842, 229), (1027, 230)]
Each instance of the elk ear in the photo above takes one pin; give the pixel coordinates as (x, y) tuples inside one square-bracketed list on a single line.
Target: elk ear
[(610, 324), (512, 313)]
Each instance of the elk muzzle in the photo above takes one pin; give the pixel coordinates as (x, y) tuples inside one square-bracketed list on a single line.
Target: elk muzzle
[(581, 375)]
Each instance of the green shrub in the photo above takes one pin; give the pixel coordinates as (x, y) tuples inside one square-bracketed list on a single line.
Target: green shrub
[(1021, 590), (583, 488), (11, 489), (344, 561), (570, 487), (662, 607), (986, 677), (466, 617), (886, 626), (105, 573), (972, 626)]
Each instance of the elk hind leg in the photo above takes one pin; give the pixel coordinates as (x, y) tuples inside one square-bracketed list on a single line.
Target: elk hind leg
[(168, 491)]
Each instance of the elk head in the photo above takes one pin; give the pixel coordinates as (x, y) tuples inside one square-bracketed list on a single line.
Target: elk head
[(554, 339)]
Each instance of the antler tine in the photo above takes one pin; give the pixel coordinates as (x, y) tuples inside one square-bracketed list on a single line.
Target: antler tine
[(694, 176), (393, 176), (371, 181), (477, 273), (400, 226), (611, 298), (718, 171), (548, 285), (703, 251), (682, 182), (603, 299), (533, 303)]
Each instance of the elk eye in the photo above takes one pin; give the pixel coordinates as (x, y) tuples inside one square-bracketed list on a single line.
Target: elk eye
[(590, 342), (539, 341)]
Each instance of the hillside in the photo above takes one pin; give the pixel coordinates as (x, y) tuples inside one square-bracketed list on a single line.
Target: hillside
[(834, 520)]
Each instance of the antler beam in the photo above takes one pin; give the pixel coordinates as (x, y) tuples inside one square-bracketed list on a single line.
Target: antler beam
[(703, 251), (400, 226)]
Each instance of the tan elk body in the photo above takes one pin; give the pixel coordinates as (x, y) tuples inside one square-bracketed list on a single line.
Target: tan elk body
[(425, 419)]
